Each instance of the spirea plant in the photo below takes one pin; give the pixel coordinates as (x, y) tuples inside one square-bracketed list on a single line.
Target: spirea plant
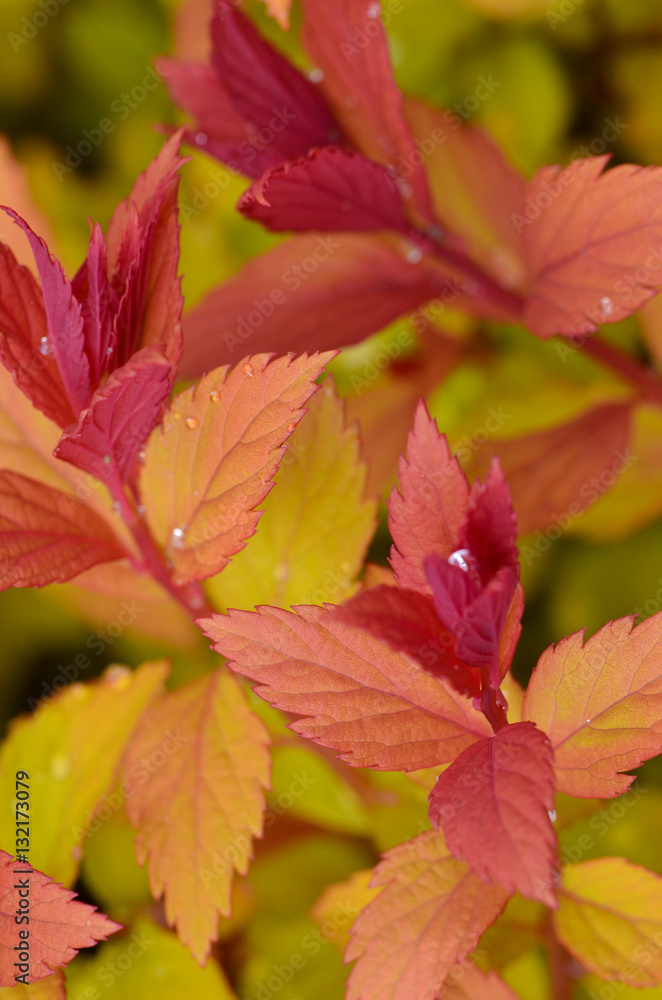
[(358, 773)]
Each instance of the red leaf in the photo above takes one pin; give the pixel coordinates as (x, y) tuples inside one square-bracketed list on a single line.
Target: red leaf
[(23, 328), (490, 529), (59, 924), (99, 304), (64, 321), (267, 91), (493, 804), (587, 238), (331, 189), (143, 256), (426, 515), (407, 621), (429, 915), (120, 418), (358, 696), (359, 85), (220, 130), (468, 982), (352, 284), (47, 536)]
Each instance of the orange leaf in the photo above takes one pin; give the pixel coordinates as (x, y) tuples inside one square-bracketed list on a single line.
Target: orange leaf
[(588, 238), (196, 769), (58, 925), (358, 696), (600, 703), (610, 918), (555, 491), (429, 915), (280, 10), (212, 461), (493, 804)]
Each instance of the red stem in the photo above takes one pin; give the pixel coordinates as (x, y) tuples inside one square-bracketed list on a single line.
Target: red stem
[(648, 384), (559, 961)]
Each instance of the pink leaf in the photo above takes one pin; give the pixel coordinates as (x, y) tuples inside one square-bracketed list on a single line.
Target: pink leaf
[(330, 189), (47, 536), (23, 331), (99, 304), (588, 238), (120, 418), (425, 516), (357, 696), (493, 804), (64, 321)]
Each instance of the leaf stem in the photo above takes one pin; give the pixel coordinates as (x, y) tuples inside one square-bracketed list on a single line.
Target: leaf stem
[(647, 383), (559, 962)]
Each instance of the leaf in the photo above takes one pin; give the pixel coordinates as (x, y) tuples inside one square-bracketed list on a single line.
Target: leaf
[(354, 894), (600, 703), (475, 189), (51, 988), (267, 92), (47, 536), (70, 748), (408, 622), (316, 524), (352, 283), (331, 189), (610, 918), (429, 915), (555, 491), (472, 983), (426, 514), (23, 329), (121, 415), (64, 320), (197, 811), (98, 300), (493, 804), (356, 695), (59, 925), (159, 966), (587, 236), (360, 87), (143, 257), (212, 461)]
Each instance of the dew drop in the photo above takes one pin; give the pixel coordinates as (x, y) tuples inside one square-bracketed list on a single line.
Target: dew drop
[(214, 396), (60, 766), (247, 368), (374, 10), (142, 510), (586, 722), (316, 75), (290, 354), (290, 427), (192, 423), (116, 508), (109, 352), (142, 455), (414, 255), (201, 139), (78, 692), (177, 538), (459, 558), (552, 815), (606, 305), (45, 347), (117, 677)]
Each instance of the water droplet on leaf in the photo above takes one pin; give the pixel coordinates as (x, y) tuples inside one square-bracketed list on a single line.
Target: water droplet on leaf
[(142, 455), (374, 10), (606, 305), (247, 368), (177, 538), (192, 423), (290, 427), (201, 139), (414, 255), (460, 558), (117, 677), (552, 815), (45, 347), (316, 75), (116, 508), (214, 396)]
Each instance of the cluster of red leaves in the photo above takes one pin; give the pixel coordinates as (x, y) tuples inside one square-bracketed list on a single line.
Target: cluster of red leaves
[(344, 154)]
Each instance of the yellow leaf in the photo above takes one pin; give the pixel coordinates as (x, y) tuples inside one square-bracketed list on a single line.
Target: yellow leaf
[(610, 919), (146, 961), (316, 526), (197, 805), (70, 749), (341, 903), (50, 988)]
